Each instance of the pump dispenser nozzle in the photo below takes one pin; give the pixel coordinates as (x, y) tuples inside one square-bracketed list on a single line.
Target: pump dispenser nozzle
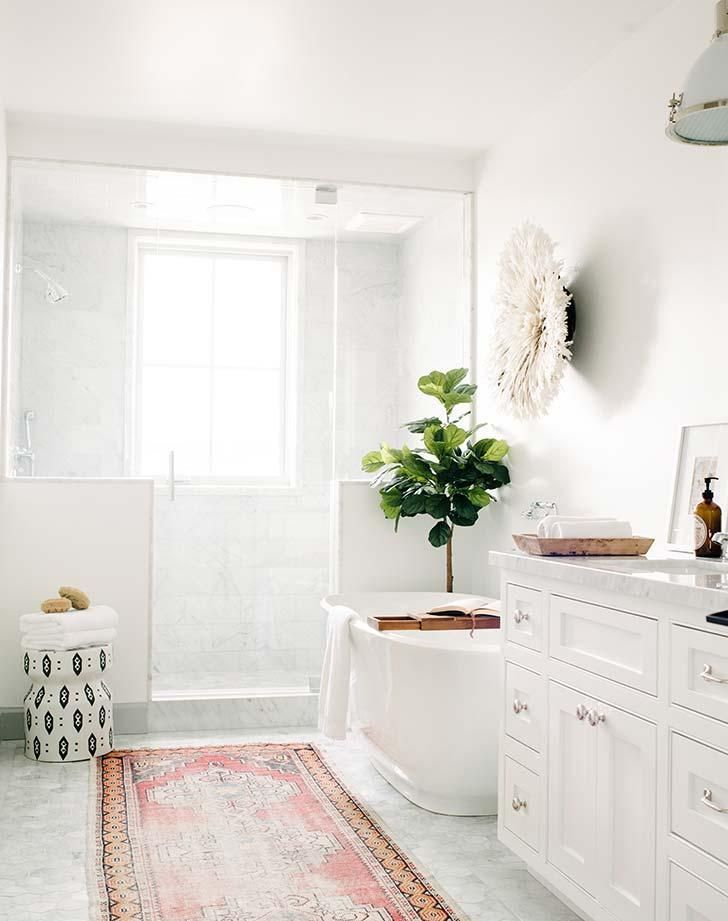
[(708, 494)]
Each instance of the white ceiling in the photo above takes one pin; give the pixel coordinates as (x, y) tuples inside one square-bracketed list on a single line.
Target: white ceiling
[(454, 74), (148, 199)]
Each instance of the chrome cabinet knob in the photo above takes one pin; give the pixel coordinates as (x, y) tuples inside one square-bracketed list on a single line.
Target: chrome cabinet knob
[(595, 718), (517, 804), (519, 616), (581, 712), (519, 706)]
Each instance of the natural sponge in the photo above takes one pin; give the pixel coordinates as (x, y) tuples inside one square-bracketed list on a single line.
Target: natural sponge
[(55, 606), (80, 600)]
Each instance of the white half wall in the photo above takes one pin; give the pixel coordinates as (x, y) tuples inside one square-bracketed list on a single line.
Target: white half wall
[(370, 557), (642, 225), (92, 534)]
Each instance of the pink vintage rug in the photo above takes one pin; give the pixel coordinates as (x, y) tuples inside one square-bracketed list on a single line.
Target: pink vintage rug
[(244, 833)]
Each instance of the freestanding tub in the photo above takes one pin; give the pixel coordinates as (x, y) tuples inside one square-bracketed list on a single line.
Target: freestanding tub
[(427, 704)]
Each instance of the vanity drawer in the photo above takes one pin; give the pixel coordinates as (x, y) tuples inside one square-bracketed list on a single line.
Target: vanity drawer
[(521, 805), (691, 899), (611, 643), (699, 804), (524, 616), (525, 717), (699, 671)]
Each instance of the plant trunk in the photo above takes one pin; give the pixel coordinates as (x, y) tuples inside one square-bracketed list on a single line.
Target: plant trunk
[(449, 565)]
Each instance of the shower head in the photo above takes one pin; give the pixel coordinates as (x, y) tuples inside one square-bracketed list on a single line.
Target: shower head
[(53, 292)]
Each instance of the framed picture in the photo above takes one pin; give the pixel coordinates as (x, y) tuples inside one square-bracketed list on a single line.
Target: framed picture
[(703, 452)]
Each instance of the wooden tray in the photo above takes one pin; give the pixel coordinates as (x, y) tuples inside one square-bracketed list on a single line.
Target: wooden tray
[(485, 621), (582, 546)]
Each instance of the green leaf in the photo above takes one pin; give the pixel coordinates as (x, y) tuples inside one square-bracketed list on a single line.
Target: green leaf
[(413, 504), (437, 506), (440, 534), (454, 436), (481, 447), (496, 451), (390, 503), (390, 455), (453, 378), (416, 467), (464, 513), (372, 462), (454, 397), (479, 496), (432, 384), (433, 438), (419, 425)]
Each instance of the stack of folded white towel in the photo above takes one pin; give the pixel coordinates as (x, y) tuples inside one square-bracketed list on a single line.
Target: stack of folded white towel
[(95, 626), (562, 526)]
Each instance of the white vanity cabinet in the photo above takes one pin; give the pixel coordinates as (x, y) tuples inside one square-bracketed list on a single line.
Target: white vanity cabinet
[(614, 741)]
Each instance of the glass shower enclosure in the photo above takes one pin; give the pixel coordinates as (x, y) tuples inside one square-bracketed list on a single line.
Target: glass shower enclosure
[(241, 341)]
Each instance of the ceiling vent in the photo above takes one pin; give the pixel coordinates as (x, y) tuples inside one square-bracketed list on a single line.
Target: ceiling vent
[(373, 222)]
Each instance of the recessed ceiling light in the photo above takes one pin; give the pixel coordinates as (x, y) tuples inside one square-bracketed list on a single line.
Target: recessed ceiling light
[(316, 217), (142, 205)]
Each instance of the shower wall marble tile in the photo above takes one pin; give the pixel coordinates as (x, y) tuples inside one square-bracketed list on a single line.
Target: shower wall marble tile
[(73, 354)]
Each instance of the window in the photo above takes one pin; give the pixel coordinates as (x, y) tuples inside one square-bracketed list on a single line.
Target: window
[(214, 341)]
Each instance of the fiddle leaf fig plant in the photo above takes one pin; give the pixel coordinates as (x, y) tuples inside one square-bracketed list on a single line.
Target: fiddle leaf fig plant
[(450, 476)]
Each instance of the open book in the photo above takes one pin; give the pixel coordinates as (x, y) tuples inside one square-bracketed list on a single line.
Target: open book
[(469, 606)]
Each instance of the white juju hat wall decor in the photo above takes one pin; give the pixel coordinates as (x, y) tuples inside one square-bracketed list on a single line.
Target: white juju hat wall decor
[(534, 324)]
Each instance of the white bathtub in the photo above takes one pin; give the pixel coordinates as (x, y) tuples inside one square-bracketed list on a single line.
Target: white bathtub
[(427, 703)]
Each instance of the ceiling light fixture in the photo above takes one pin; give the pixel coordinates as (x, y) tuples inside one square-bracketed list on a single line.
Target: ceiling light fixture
[(699, 115)]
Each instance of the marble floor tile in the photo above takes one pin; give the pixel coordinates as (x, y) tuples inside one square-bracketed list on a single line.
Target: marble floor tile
[(43, 817)]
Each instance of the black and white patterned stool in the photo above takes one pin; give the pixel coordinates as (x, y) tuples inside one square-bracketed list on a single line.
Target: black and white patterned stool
[(68, 713)]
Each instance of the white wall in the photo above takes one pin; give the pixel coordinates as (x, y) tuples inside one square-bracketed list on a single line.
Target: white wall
[(95, 535), (370, 557), (642, 224)]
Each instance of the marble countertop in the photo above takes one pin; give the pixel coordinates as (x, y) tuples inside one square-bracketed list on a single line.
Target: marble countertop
[(678, 579)]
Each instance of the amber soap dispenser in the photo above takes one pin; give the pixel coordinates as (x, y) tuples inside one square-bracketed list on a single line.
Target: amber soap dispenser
[(708, 521)]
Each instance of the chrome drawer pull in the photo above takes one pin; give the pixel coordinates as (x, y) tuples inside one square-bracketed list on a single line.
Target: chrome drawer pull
[(519, 616), (707, 800), (581, 712), (517, 804), (596, 718), (519, 706), (707, 675)]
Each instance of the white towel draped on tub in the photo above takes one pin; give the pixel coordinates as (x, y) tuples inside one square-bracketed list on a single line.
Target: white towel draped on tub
[(336, 674)]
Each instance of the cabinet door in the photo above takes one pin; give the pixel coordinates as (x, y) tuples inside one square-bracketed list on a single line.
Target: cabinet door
[(625, 841), (572, 760)]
